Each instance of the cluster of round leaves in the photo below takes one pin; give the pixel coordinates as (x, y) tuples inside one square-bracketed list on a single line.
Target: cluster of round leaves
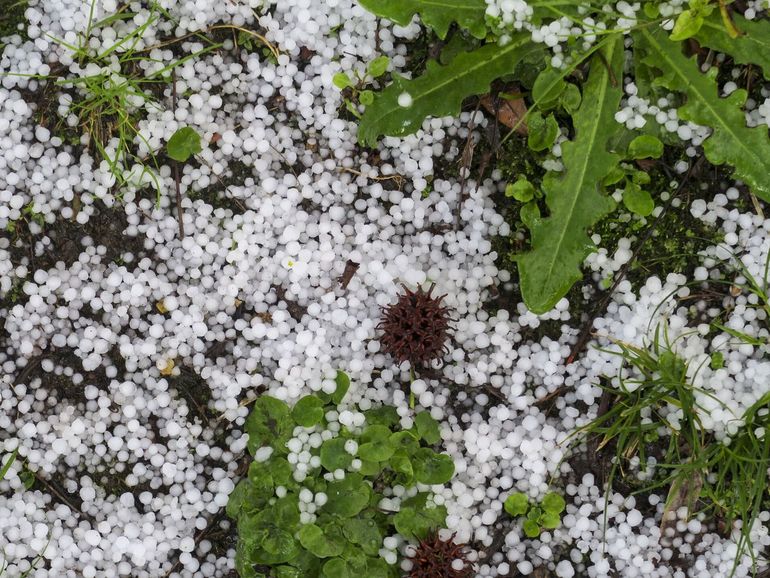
[(545, 516), (346, 537)]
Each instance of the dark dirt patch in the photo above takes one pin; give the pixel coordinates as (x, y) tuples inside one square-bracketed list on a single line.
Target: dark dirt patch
[(11, 16)]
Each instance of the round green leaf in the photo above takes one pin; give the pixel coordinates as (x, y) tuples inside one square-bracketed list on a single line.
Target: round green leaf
[(405, 440), (645, 146), (553, 502), (269, 424), (571, 98), (550, 521), (529, 213), (522, 190), (366, 97), (183, 144), (637, 200), (334, 456), (365, 533), (427, 427), (342, 80), (336, 568), (548, 87), (542, 131), (376, 446), (308, 411), (347, 497), (516, 504), (319, 543), (531, 528), (378, 66), (279, 546), (432, 468), (343, 384), (414, 523)]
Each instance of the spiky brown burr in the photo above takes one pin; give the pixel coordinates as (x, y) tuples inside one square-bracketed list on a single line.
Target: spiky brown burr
[(434, 558), (415, 328)]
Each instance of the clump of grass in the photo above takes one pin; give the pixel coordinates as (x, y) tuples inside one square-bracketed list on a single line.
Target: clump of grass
[(656, 412), (109, 97)]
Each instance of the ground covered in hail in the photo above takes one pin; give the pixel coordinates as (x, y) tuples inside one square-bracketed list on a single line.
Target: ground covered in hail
[(384, 288)]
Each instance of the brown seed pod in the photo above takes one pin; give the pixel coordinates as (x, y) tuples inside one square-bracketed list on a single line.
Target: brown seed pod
[(415, 328), (434, 558)]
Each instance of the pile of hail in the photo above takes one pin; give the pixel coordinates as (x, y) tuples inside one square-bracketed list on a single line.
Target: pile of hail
[(130, 355)]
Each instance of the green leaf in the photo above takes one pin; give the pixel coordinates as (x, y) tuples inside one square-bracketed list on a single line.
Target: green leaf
[(549, 86), (365, 533), (645, 146), (320, 543), (308, 411), (637, 200), (516, 504), (183, 144), (27, 478), (522, 190), (342, 81), (717, 360), (432, 468), (378, 66), (377, 568), (269, 424), (687, 25), (553, 502), (401, 464), (288, 572), (731, 142), (8, 463), (279, 546), (427, 427), (531, 528), (336, 568), (343, 385), (751, 47), (334, 456), (575, 198), (375, 444), (542, 131), (405, 440), (347, 497), (417, 524), (438, 14), (550, 520), (366, 97), (384, 415), (441, 90), (571, 98), (529, 213)]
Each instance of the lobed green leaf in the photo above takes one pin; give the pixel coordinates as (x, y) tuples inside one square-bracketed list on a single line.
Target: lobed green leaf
[(731, 142), (575, 198), (441, 90), (438, 14)]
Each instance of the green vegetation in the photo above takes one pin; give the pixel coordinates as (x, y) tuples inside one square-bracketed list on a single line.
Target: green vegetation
[(658, 412), (347, 478), (183, 144), (537, 517), (575, 199)]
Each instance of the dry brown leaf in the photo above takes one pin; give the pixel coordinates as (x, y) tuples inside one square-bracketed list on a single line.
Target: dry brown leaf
[(510, 113), (684, 492)]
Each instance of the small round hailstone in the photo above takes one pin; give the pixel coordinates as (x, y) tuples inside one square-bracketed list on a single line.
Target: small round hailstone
[(405, 100)]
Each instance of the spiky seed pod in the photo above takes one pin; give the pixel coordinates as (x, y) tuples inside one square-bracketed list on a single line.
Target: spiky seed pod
[(435, 558), (416, 327)]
